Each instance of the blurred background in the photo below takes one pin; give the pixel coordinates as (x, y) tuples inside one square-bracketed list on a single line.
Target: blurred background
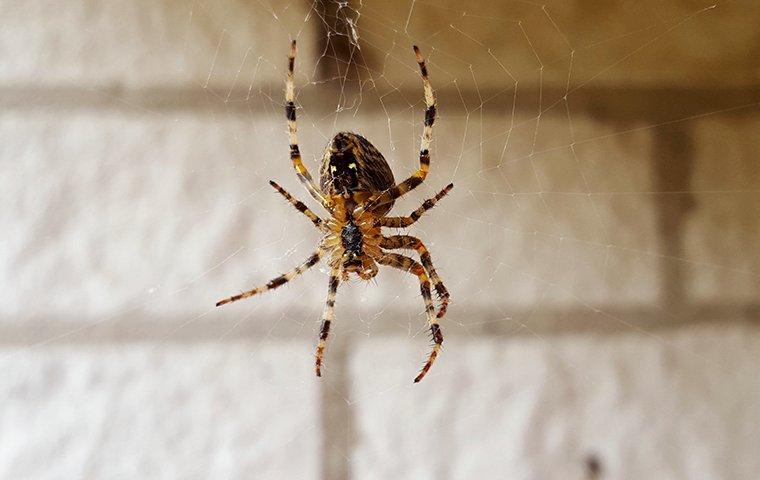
[(601, 244)]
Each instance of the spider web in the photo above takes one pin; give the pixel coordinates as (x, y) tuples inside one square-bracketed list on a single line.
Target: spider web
[(600, 243)]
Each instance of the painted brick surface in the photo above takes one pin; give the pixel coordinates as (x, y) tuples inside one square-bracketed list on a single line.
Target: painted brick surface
[(147, 213), (151, 410), (166, 214), (722, 256), (150, 44), (135, 220), (669, 405)]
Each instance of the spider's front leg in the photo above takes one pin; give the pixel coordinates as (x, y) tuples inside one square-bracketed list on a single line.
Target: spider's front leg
[(327, 315), (414, 243), (408, 265), (403, 222)]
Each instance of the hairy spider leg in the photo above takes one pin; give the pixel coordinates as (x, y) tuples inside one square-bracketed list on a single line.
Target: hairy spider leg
[(300, 206), (427, 137), (408, 265), (414, 243), (327, 315), (290, 112), (278, 281), (403, 222)]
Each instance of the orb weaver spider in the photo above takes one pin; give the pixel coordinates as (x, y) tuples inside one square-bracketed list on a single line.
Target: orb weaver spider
[(357, 187)]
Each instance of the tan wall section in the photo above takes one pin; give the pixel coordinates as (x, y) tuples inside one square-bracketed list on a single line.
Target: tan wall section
[(614, 43)]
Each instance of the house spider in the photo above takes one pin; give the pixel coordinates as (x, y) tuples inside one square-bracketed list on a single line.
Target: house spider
[(356, 186)]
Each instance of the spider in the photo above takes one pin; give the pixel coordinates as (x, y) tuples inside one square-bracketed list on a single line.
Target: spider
[(357, 187)]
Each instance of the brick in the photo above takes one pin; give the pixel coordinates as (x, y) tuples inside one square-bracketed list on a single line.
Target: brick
[(540, 220), (159, 411), (218, 44), (722, 234), (675, 404)]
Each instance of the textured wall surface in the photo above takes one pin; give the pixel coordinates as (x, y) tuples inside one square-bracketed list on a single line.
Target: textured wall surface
[(153, 410), (671, 406), (600, 244)]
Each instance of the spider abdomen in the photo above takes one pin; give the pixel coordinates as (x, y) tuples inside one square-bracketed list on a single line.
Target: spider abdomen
[(351, 164)]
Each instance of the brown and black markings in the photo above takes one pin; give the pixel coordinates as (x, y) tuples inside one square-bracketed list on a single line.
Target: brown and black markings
[(357, 188)]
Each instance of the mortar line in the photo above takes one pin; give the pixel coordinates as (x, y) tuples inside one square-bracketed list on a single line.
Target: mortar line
[(605, 103), (672, 155)]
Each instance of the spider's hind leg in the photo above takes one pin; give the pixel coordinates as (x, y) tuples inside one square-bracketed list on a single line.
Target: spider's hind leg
[(414, 243), (408, 265)]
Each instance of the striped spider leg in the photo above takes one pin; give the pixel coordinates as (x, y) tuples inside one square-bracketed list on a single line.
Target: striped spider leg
[(286, 277), (278, 281), (408, 265), (327, 315), (427, 137), (301, 207), (290, 112), (403, 222), (414, 243)]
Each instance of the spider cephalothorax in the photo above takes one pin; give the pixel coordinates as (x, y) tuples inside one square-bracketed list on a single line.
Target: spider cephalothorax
[(356, 186)]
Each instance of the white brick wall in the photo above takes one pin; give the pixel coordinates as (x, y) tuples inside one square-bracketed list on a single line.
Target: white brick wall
[(117, 211), (123, 224), (672, 405), (149, 44), (122, 195), (153, 410), (142, 207)]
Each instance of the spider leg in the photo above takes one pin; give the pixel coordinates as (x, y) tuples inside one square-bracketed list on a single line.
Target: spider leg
[(409, 242), (427, 136), (327, 315), (408, 265), (403, 222), (300, 206), (278, 281), (290, 112)]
